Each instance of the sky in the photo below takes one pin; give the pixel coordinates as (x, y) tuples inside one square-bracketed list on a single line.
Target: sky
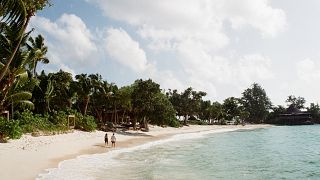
[(221, 47)]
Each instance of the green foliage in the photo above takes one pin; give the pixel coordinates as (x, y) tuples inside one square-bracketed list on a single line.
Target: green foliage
[(314, 109), (276, 111), (143, 100), (231, 107), (10, 129), (59, 118), (256, 102), (143, 96), (84, 88), (85, 123), (295, 102), (37, 53), (188, 103), (15, 16), (43, 93), (163, 112), (174, 122), (30, 122)]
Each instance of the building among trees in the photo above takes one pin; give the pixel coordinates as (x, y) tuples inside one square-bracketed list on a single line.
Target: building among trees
[(294, 116)]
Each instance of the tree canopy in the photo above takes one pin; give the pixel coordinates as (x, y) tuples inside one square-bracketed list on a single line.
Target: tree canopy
[(256, 102)]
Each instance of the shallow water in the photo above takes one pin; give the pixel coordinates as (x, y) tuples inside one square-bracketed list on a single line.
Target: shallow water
[(285, 152)]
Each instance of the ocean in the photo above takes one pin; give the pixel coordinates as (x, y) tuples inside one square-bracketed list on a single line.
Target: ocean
[(280, 152)]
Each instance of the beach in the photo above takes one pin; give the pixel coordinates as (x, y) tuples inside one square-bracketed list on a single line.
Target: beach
[(29, 156)]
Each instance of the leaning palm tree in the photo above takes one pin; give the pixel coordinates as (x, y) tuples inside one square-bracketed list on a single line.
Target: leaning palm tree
[(14, 73), (37, 53), (17, 15), (19, 92)]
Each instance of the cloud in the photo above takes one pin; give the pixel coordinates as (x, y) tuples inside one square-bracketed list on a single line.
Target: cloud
[(122, 48), (166, 23), (68, 39), (308, 70), (254, 67), (195, 33), (258, 14), (207, 71)]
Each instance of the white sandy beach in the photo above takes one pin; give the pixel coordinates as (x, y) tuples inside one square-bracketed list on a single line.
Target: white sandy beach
[(29, 156)]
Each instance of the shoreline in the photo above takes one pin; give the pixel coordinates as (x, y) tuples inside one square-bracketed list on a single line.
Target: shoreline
[(31, 156)]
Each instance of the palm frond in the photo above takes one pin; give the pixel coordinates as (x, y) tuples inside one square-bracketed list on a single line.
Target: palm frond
[(21, 74), (25, 104), (19, 96), (45, 60), (13, 12)]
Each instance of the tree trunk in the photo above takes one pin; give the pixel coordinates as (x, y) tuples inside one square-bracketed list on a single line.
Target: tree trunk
[(185, 120), (145, 122), (48, 106), (69, 103), (124, 112), (35, 69), (99, 115), (112, 114), (86, 102), (115, 119), (134, 123), (6, 91)]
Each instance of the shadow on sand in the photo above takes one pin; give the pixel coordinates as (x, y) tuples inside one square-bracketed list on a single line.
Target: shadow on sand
[(102, 145), (133, 134)]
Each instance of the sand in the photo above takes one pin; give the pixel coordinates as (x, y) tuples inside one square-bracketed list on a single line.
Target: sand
[(29, 156)]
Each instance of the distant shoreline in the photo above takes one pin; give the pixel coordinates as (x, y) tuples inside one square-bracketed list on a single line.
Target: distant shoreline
[(31, 156)]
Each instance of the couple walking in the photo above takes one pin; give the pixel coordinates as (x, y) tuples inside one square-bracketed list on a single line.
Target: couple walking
[(113, 140)]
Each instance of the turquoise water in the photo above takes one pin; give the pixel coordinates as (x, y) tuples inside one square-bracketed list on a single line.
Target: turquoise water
[(285, 152)]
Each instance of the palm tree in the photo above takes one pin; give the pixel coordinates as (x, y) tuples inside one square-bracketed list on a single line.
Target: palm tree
[(37, 53), (16, 92), (100, 98), (84, 90), (16, 14), (13, 12), (64, 90), (13, 73), (19, 94)]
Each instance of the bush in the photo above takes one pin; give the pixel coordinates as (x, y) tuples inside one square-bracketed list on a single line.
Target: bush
[(59, 118), (33, 123), (174, 123), (9, 129), (86, 123)]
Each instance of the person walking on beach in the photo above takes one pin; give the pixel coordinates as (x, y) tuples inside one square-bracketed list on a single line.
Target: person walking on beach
[(105, 139), (113, 140)]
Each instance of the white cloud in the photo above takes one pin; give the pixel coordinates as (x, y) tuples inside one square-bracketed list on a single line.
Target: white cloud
[(253, 67), (168, 80), (166, 23), (69, 40), (122, 48), (194, 32), (308, 70), (206, 71), (256, 13)]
